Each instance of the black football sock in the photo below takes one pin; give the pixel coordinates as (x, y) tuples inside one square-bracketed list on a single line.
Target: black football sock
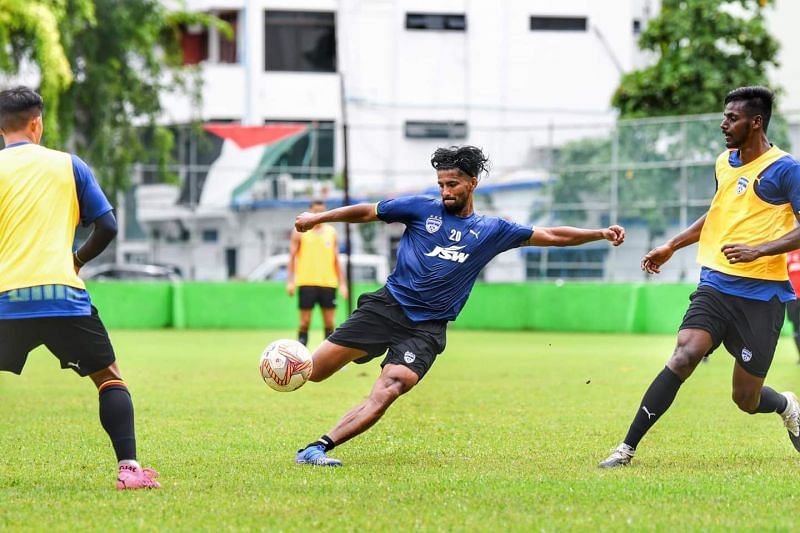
[(116, 417), (771, 401), (655, 403), (302, 336), (324, 441), (328, 332)]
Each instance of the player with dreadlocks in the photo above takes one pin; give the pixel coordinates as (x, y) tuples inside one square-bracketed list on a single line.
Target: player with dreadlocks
[(444, 247)]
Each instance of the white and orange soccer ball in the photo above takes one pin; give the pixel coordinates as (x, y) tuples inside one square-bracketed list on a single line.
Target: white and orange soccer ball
[(286, 365)]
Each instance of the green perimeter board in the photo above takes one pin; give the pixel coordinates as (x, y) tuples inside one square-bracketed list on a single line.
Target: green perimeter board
[(130, 305), (247, 305), (535, 306), (660, 308)]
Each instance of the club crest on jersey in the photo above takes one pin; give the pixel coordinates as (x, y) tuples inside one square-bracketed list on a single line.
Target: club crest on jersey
[(433, 224), (741, 185)]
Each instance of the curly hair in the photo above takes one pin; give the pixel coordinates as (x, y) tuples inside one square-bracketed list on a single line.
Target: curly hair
[(468, 159)]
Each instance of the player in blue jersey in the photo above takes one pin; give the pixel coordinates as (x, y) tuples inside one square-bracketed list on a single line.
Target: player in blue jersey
[(444, 247), (43, 195)]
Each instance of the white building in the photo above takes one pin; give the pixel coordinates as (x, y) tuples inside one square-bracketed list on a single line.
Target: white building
[(410, 75), (516, 77)]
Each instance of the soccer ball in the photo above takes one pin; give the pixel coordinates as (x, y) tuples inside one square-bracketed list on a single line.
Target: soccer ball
[(286, 365)]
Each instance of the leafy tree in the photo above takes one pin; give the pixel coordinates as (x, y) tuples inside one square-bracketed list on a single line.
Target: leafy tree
[(103, 65), (29, 31), (702, 49)]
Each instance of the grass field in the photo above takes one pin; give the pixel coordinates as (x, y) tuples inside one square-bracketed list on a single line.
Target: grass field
[(503, 434)]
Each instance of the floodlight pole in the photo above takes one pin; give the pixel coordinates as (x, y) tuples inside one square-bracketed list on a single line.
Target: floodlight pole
[(346, 201)]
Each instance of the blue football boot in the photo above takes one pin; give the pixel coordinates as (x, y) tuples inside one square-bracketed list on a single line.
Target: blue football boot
[(315, 455)]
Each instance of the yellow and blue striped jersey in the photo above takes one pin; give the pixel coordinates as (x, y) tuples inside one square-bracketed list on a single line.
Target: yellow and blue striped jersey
[(754, 203), (44, 194)]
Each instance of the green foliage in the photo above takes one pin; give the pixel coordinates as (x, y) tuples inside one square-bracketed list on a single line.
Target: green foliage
[(104, 64), (29, 31), (704, 49), (506, 446)]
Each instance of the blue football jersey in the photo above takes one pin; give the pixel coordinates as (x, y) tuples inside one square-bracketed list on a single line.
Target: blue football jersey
[(440, 254)]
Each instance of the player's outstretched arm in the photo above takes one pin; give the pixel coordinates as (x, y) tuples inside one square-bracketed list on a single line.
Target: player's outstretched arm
[(569, 236), (104, 231), (745, 253), (354, 214), (652, 261)]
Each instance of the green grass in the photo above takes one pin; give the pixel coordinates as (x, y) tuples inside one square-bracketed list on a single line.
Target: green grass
[(503, 434)]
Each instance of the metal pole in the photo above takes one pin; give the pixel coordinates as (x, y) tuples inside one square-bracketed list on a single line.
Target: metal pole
[(614, 211), (544, 258), (684, 193), (346, 185)]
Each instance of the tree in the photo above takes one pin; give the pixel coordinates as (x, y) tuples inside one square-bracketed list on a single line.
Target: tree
[(29, 31), (103, 65), (696, 64), (705, 48)]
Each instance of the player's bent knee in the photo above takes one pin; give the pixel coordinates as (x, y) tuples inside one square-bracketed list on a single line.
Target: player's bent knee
[(106, 374), (400, 377), (685, 359), (746, 400), (387, 390)]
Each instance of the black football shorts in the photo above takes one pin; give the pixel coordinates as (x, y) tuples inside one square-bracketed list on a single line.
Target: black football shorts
[(309, 296), (79, 342), (748, 328), (378, 324)]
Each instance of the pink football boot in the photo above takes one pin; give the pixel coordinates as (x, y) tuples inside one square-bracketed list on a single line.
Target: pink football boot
[(132, 477)]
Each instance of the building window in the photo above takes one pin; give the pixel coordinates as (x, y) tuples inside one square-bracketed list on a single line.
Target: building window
[(558, 23), (227, 47), (194, 42), (200, 43), (436, 130), (210, 235), (300, 41), (637, 26), (436, 21)]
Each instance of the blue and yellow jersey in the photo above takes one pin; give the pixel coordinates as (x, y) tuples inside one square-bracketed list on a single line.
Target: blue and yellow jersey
[(754, 203), (44, 194)]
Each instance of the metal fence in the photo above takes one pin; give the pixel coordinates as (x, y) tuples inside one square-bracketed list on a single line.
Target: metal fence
[(655, 176)]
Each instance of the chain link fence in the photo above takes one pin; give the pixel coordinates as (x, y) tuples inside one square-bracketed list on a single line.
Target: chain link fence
[(654, 176)]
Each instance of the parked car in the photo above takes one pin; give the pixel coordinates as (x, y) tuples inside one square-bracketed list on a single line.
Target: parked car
[(130, 272), (366, 268)]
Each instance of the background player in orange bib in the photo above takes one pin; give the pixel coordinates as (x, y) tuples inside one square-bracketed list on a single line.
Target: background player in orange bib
[(315, 272)]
